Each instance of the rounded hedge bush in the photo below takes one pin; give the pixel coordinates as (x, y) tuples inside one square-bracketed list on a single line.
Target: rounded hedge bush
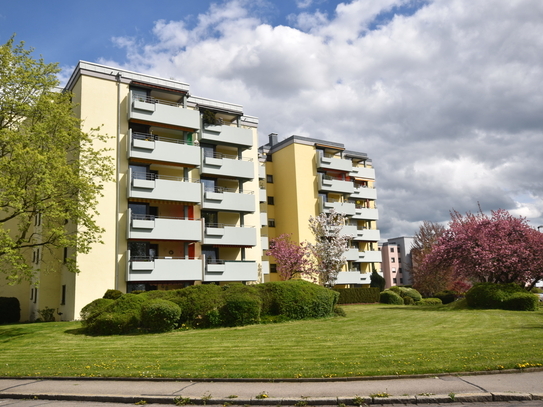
[(408, 300), (390, 297), (94, 308), (200, 305), (160, 315), (491, 295), (522, 302), (429, 301), (113, 323), (446, 296), (113, 294)]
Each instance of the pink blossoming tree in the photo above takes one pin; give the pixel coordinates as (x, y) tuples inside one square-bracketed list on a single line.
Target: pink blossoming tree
[(291, 258), (499, 248)]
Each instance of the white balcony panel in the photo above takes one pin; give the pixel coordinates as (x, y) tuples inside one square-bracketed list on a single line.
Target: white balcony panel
[(363, 172), (262, 171), (164, 151), (262, 195), (335, 185), (369, 257), (264, 242), (227, 167), (263, 218), (338, 164), (265, 267), (364, 193), (227, 135), (229, 201), (366, 214), (165, 270), (165, 190), (349, 277), (166, 229), (368, 235), (230, 236), (349, 230), (232, 271), (351, 254), (171, 114), (345, 208)]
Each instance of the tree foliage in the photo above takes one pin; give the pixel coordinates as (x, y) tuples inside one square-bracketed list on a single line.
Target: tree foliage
[(428, 277), (51, 174), (291, 258), (330, 245), (499, 248)]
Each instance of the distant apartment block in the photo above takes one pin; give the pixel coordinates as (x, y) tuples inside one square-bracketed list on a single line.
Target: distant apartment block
[(396, 265)]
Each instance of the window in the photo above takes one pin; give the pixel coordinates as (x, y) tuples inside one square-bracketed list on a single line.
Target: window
[(269, 179), (65, 255), (392, 250), (392, 260), (401, 280), (393, 269), (395, 280), (273, 268), (63, 300), (271, 200), (399, 259), (271, 223)]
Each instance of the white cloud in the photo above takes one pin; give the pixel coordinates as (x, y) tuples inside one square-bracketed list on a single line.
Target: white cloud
[(447, 101)]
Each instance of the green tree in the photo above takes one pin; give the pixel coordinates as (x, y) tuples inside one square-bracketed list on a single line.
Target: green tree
[(51, 172)]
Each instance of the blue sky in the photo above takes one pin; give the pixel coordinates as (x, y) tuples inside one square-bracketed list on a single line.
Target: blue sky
[(443, 95)]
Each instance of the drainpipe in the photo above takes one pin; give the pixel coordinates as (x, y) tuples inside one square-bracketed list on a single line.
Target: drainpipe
[(117, 180)]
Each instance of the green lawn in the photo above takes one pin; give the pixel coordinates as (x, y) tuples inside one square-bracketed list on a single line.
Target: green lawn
[(371, 340)]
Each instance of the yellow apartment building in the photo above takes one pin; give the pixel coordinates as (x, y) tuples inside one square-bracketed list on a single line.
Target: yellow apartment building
[(305, 177), (194, 200)]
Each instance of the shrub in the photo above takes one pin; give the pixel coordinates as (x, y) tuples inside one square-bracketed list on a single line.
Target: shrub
[(94, 308), (200, 305), (113, 294), (521, 302), (242, 306), (429, 301), (358, 295), (408, 300), (113, 323), (339, 311), (11, 310), (160, 315), (46, 315), (406, 292), (390, 297), (446, 296), (491, 295)]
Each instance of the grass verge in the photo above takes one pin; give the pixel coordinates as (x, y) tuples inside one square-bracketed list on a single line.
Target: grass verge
[(371, 340)]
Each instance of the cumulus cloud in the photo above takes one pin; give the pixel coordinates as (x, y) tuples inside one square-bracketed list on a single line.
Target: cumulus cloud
[(446, 99)]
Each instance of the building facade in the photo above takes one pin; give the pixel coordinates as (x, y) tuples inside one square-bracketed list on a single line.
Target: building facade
[(194, 201), (305, 177), (397, 263)]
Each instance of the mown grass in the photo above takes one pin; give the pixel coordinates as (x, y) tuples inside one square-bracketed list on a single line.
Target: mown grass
[(371, 340)]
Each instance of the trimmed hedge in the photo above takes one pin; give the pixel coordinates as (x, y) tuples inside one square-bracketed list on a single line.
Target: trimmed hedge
[(11, 310), (429, 301), (406, 292), (390, 297), (522, 302), (446, 296), (160, 315), (358, 295), (113, 294), (491, 295), (242, 306)]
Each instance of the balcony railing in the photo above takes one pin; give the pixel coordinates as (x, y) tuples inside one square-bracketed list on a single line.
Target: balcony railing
[(231, 270), (370, 235), (370, 256), (229, 235), (363, 172), (228, 199), (156, 148), (333, 184), (364, 192), (366, 213), (335, 163), (155, 110), (163, 187), (225, 134), (345, 208), (146, 268), (227, 165), (150, 227)]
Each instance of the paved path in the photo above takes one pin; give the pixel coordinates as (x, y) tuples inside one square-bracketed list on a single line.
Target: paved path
[(526, 388)]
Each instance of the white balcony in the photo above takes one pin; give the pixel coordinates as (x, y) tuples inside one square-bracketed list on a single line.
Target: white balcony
[(262, 171), (329, 184), (264, 242), (165, 269), (155, 228), (345, 208), (368, 235), (363, 172), (369, 257), (223, 134), (364, 193), (349, 230), (366, 214), (265, 267), (337, 164), (162, 111), (227, 166), (164, 188), (225, 235), (263, 218), (351, 254), (348, 277), (154, 148), (262, 195), (231, 271), (223, 199)]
